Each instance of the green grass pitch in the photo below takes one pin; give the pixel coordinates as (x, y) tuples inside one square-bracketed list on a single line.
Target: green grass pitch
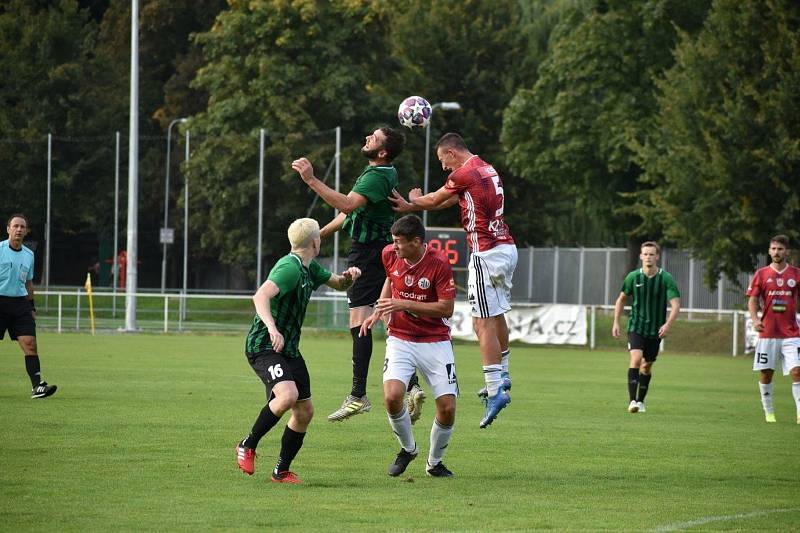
[(140, 437)]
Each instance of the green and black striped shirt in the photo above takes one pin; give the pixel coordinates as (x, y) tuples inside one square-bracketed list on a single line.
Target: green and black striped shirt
[(296, 283), (373, 221), (650, 298)]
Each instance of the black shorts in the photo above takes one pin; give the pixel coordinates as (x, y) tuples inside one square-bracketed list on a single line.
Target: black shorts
[(273, 368), (16, 316), (367, 288), (648, 345)]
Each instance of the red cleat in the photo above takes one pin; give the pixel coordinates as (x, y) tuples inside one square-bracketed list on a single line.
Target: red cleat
[(286, 476), (246, 459)]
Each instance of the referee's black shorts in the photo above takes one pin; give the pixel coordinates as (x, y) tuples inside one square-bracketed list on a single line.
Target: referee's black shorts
[(367, 288), (648, 345), (16, 316)]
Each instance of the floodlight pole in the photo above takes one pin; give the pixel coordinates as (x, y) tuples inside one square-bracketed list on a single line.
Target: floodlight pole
[(446, 106), (261, 139), (166, 203), (185, 227), (133, 175)]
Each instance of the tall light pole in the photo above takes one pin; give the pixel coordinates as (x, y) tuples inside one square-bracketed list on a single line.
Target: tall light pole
[(185, 226), (446, 106), (166, 205), (131, 273)]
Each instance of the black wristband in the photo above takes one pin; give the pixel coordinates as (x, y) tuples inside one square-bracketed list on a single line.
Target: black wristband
[(33, 304)]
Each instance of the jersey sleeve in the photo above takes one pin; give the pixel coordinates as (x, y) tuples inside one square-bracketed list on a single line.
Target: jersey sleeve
[(458, 180), (445, 284), (373, 185), (627, 283), (386, 257), (754, 289), (285, 275), (672, 288), (319, 274), (29, 277)]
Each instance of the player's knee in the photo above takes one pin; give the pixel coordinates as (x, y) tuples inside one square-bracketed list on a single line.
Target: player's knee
[(393, 403), (303, 412), (446, 413)]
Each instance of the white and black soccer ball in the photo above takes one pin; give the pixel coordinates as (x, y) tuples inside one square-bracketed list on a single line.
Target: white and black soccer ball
[(414, 112)]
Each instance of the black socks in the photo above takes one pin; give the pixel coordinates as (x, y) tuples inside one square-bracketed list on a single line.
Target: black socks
[(291, 443), (33, 368), (633, 382), (266, 420), (362, 352)]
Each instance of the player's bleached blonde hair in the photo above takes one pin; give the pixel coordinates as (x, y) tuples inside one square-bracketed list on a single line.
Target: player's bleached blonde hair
[(302, 231)]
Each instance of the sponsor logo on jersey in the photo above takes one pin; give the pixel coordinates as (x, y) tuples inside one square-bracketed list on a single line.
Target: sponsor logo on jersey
[(424, 283), (412, 295), (769, 280), (409, 280), (395, 273), (779, 293)]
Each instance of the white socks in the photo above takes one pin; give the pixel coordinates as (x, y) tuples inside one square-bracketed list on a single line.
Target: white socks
[(440, 437), (504, 360), (796, 394), (766, 397), (491, 375), (401, 425)]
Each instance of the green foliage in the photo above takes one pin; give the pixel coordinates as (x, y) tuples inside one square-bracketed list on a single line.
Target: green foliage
[(572, 134), (723, 161)]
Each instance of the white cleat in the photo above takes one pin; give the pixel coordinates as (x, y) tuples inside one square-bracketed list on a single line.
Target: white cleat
[(640, 405), (414, 400), (633, 407)]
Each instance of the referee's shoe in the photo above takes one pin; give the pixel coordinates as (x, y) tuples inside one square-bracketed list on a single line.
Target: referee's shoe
[(43, 390)]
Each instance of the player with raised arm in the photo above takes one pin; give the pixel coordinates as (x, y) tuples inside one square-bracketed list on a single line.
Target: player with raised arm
[(475, 185), (273, 346), (651, 288), (418, 297), (774, 288), (366, 215)]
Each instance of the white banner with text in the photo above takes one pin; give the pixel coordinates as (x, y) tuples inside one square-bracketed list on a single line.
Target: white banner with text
[(547, 324)]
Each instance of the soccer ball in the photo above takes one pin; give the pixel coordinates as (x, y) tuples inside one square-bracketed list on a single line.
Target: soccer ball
[(414, 112)]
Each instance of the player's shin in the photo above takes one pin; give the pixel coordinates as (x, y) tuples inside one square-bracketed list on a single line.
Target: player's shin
[(440, 438), (401, 426)]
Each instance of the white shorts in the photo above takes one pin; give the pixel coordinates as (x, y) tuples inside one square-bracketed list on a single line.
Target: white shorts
[(434, 360), (489, 280), (768, 351)]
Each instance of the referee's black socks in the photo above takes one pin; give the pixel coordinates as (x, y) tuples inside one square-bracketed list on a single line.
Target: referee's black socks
[(362, 352), (34, 370)]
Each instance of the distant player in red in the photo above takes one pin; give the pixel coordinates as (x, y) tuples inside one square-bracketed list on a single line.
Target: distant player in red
[(478, 189), (776, 288), (417, 298)]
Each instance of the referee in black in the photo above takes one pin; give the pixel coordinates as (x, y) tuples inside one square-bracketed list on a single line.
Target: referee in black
[(17, 309)]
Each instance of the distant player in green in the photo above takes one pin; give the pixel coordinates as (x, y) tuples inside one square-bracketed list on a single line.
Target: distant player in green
[(651, 288), (273, 346), (366, 214)]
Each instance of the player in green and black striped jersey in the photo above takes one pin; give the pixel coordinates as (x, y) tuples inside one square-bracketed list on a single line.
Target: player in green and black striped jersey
[(651, 289), (366, 214), (273, 345)]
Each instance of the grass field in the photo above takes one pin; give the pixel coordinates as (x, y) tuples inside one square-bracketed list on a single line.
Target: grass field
[(140, 437)]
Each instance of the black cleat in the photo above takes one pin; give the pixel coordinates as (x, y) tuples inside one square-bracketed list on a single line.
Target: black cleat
[(439, 470), (401, 462), (43, 390)]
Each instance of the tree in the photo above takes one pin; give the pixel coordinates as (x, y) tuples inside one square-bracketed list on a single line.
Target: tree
[(723, 166), (572, 135), (297, 69)]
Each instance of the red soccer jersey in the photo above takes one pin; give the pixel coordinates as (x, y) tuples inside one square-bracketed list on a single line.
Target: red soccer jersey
[(428, 280), (480, 196), (778, 290)]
